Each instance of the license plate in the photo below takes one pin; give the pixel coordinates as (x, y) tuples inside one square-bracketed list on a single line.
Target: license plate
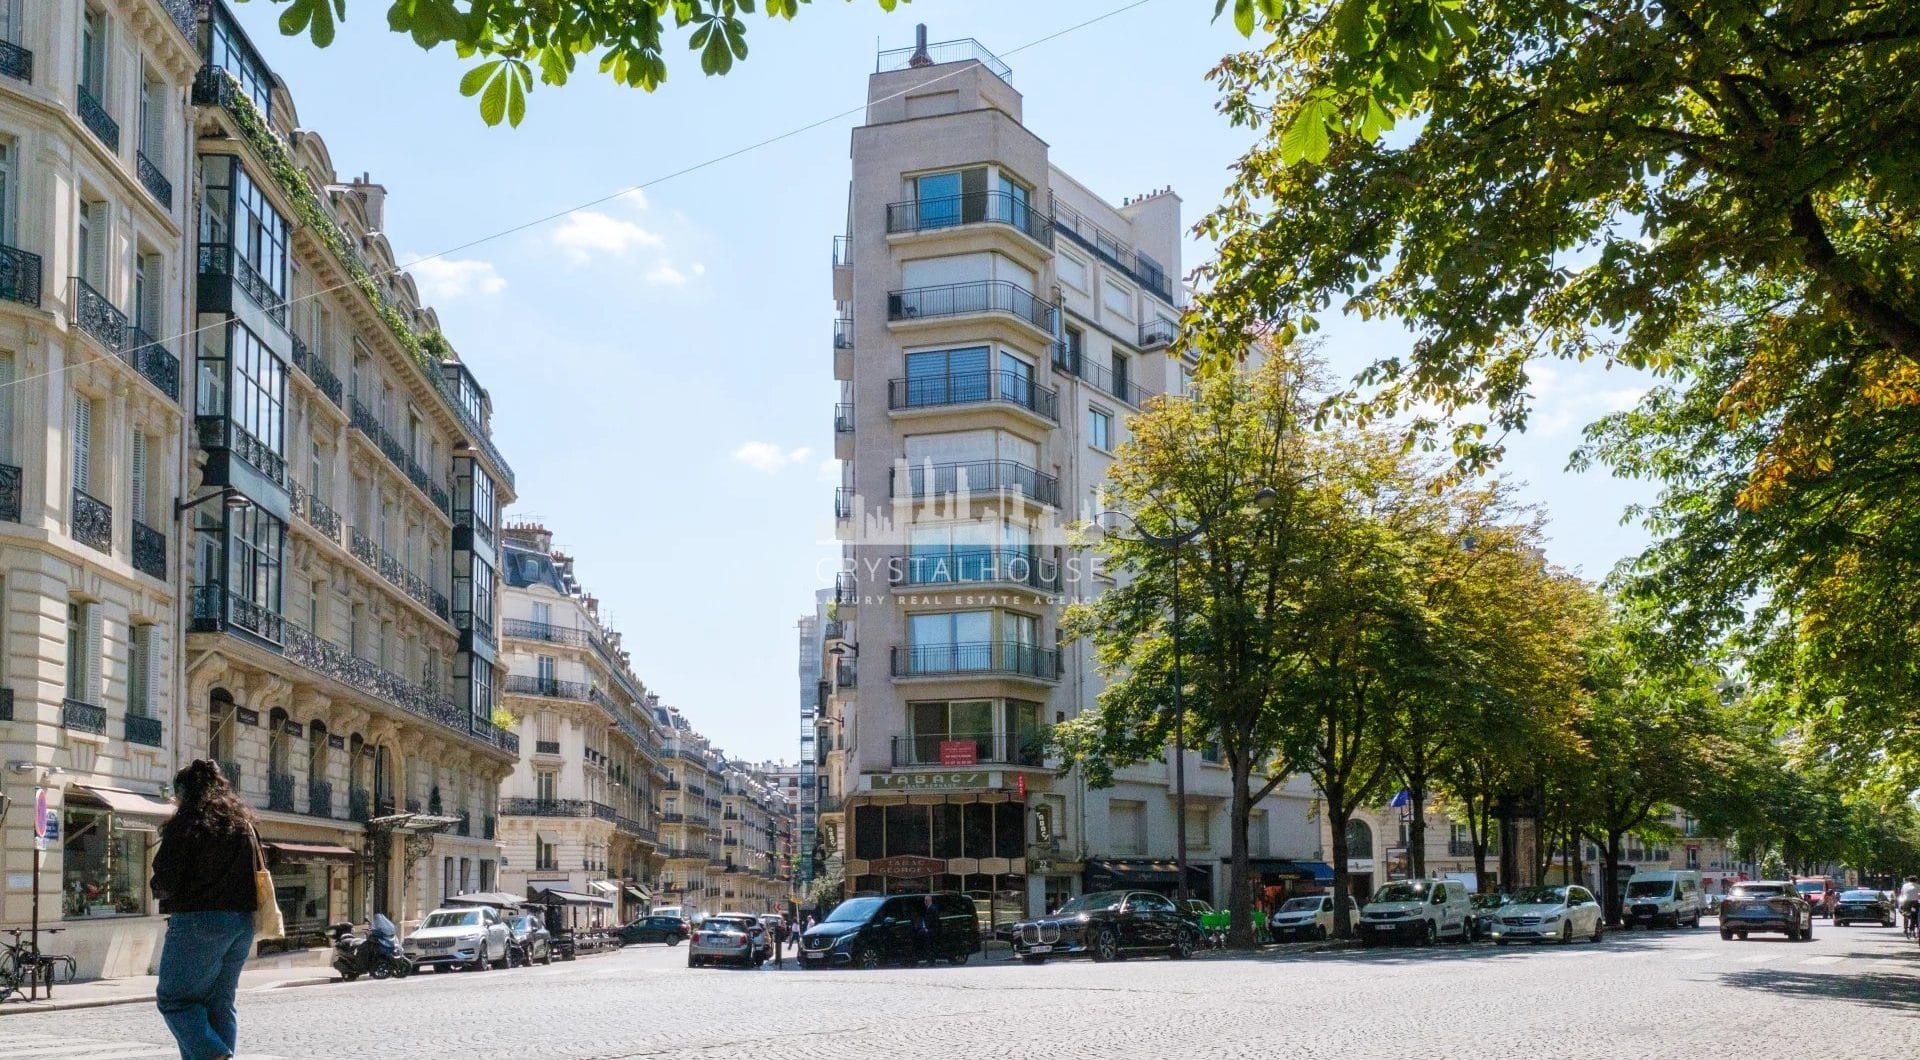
[(1039, 949), (435, 945)]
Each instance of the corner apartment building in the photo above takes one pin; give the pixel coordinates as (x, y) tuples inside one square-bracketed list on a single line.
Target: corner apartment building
[(95, 207), (578, 813), (998, 322), (344, 498)]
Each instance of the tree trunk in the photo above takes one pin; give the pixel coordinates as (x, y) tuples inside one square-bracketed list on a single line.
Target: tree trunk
[(1337, 818), (1417, 827), (1610, 883), (1240, 935)]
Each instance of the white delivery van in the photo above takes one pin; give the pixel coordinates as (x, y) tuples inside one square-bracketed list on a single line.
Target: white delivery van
[(1673, 897)]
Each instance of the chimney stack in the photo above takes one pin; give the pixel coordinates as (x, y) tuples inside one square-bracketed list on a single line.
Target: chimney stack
[(920, 57)]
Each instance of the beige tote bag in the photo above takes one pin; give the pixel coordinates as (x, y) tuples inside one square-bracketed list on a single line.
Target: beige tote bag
[(267, 923)]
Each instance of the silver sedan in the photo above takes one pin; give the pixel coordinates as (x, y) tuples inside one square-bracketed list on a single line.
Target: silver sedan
[(728, 938)]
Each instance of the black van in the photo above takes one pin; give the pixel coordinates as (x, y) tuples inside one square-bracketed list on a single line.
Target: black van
[(888, 929)]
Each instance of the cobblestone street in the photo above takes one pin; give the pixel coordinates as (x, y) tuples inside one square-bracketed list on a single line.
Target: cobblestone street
[(1672, 994)]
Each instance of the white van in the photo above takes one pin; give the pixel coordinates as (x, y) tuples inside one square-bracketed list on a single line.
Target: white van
[(1418, 911), (1672, 897)]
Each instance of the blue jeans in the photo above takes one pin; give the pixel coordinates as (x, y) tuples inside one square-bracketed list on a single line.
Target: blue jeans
[(199, 972)]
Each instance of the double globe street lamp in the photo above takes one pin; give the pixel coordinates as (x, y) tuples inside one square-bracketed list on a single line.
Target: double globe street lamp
[(1263, 499)]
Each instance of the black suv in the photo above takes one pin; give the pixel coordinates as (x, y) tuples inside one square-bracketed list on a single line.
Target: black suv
[(668, 929), (902, 928)]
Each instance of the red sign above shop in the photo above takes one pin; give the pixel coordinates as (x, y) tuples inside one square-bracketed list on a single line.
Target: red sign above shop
[(959, 753), (907, 867)]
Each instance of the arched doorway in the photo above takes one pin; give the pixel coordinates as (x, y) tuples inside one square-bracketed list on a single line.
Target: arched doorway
[(1360, 864)]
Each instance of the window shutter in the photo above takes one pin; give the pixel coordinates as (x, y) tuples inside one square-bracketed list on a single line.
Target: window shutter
[(139, 673), (6, 391), (139, 476), (82, 431), (96, 245), (90, 616)]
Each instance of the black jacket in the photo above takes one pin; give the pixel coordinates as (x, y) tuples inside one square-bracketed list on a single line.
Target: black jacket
[(198, 872)]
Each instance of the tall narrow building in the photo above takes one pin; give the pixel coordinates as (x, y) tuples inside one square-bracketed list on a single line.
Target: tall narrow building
[(998, 322)]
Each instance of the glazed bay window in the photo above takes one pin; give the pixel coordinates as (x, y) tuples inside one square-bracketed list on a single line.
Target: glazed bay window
[(104, 862), (968, 731), (243, 241), (974, 642), (245, 590), (228, 50), (242, 387), (950, 553)]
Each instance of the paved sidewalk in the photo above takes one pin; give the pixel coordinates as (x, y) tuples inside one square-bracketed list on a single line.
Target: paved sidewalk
[(139, 989)]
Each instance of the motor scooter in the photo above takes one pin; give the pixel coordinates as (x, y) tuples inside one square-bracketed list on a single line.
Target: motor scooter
[(377, 954)]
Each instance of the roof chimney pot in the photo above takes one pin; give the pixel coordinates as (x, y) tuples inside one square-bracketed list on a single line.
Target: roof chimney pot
[(920, 57)]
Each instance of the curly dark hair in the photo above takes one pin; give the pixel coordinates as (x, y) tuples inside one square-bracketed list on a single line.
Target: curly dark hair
[(207, 802)]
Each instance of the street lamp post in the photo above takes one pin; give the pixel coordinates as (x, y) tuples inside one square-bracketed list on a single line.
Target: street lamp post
[(1173, 543)]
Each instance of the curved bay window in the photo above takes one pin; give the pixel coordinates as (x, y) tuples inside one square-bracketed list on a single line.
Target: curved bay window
[(243, 240), (242, 395), (244, 591)]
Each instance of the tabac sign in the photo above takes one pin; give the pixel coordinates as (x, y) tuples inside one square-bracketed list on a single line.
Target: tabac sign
[(969, 780), (907, 867)]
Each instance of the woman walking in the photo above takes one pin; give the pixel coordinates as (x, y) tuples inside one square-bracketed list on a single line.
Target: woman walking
[(203, 876)]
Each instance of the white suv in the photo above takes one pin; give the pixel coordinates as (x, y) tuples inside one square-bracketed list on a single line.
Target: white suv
[(1419, 911)]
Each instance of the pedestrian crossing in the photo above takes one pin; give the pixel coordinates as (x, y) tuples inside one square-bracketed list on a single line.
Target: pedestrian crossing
[(66, 1047)]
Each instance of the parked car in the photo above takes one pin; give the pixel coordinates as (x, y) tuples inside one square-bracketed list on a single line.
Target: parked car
[(1309, 917), (1863, 904), (531, 937), (1766, 905), (1674, 897), (1821, 892), (1422, 911), (469, 937), (1545, 914), (903, 928), (1108, 924), (729, 937), (1486, 913), (654, 928)]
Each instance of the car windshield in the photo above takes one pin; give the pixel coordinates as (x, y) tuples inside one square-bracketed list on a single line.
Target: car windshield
[(1860, 896), (1088, 903), (855, 911), (1404, 891), (717, 923), (1540, 896), (1757, 890), (1301, 905), (1489, 901), (466, 918), (1810, 886), (1649, 888)]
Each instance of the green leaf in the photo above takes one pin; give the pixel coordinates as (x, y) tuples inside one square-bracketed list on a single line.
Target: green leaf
[(516, 102), (1243, 17), (493, 104), (1305, 138), (321, 31), (293, 21), (476, 78)]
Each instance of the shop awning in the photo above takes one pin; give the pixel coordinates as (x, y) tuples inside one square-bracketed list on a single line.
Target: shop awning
[(640, 893), (550, 896), (1106, 875), (604, 886), (497, 899), (283, 850), (131, 803), (1287, 869)]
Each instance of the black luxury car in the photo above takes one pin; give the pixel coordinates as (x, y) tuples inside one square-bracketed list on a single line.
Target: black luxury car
[(1863, 904), (869, 931), (668, 929), (1106, 925)]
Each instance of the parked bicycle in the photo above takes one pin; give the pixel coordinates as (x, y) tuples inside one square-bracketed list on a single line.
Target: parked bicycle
[(23, 969)]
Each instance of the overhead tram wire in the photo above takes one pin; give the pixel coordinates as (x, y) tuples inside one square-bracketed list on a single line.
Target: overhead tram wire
[(642, 186)]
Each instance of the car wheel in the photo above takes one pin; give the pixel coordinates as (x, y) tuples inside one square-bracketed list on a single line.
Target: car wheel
[(673, 942), (1725, 935), (1742, 934), (402, 967), (1105, 947), (1431, 935), (1033, 958), (692, 961), (868, 958), (1841, 923), (479, 962), (1320, 933), (349, 976), (547, 957), (957, 959), (1499, 942), (1806, 933), (1182, 947), (1595, 937), (378, 971), (1566, 933)]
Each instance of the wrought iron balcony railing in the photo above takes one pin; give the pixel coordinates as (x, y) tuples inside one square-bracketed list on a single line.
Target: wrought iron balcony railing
[(529, 685), (1068, 222), (1158, 332), (280, 792), (16, 62), (153, 180), (963, 565), (92, 521), (185, 15), (98, 317), (19, 276), (980, 657), (977, 476), (973, 388), (547, 632), (149, 550), (222, 259), (546, 747), (359, 804), (96, 119), (979, 207), (143, 730), (10, 481), (978, 296), (153, 361), (319, 798), (83, 717), (315, 368), (1119, 384), (220, 432)]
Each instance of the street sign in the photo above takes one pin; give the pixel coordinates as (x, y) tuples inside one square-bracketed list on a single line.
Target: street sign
[(52, 831)]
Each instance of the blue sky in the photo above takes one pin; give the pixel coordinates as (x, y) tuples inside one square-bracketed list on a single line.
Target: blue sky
[(660, 363)]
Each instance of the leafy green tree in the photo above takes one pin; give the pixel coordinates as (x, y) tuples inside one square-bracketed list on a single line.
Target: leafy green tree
[(1576, 183)]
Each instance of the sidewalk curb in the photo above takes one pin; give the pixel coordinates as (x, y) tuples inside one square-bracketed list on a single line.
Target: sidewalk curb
[(18, 1008)]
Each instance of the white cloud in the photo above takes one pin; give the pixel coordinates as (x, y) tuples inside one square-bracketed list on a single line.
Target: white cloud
[(665, 275), (449, 278), (830, 470), (699, 269), (768, 458), (636, 196), (588, 232)]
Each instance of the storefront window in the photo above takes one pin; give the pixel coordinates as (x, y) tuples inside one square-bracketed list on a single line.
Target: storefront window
[(104, 865)]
